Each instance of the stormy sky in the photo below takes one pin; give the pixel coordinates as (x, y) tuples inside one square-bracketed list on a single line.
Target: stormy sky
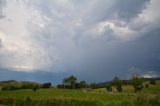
[(95, 40)]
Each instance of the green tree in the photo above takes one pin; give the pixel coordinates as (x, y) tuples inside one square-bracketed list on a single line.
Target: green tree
[(47, 85), (71, 80), (118, 84), (137, 83)]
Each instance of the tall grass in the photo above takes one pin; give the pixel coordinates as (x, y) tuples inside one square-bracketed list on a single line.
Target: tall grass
[(62, 101), (97, 97), (48, 102)]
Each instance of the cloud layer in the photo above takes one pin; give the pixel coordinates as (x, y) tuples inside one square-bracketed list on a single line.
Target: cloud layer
[(91, 39)]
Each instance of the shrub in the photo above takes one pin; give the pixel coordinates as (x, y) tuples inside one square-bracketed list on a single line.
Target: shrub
[(35, 87), (4, 88), (147, 85), (109, 87), (27, 86), (10, 88)]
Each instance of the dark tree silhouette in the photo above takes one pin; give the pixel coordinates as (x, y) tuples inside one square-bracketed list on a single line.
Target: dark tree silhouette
[(46, 85), (71, 80)]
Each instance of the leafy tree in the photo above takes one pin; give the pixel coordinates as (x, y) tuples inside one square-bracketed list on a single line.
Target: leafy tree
[(71, 80), (118, 84), (46, 85), (65, 81), (137, 83)]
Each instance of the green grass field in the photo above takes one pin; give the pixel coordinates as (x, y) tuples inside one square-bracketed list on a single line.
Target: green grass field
[(82, 97)]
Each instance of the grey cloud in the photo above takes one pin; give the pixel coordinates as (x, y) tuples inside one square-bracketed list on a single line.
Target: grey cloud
[(39, 76), (2, 4), (142, 53), (122, 10), (1, 45), (129, 9), (61, 36), (69, 41)]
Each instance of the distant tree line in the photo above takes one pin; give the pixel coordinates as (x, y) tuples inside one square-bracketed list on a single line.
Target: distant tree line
[(71, 83), (34, 87), (116, 84)]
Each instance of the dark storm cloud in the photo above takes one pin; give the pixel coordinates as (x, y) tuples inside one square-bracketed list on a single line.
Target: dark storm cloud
[(115, 9), (128, 9), (94, 40), (143, 53), (40, 76)]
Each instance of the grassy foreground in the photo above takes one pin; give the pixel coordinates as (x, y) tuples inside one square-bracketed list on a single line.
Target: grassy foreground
[(82, 97), (61, 97)]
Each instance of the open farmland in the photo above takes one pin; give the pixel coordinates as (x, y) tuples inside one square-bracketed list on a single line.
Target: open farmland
[(82, 97)]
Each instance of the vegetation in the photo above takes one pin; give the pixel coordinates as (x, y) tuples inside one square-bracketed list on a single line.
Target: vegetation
[(70, 97), (94, 94), (118, 84), (137, 83), (109, 87), (152, 82), (70, 82), (83, 84), (93, 85)]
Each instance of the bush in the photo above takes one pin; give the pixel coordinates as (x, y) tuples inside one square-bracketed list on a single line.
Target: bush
[(10, 88), (147, 85), (35, 87), (109, 87), (27, 86), (4, 88)]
